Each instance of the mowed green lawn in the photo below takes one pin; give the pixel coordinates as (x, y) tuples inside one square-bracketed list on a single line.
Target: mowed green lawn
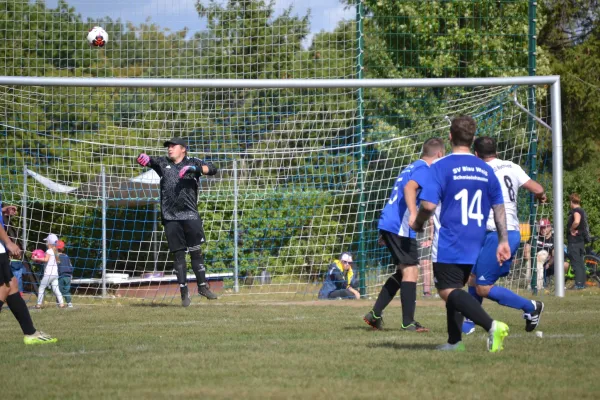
[(230, 349)]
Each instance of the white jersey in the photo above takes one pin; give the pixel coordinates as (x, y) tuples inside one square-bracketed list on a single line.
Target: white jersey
[(511, 177)]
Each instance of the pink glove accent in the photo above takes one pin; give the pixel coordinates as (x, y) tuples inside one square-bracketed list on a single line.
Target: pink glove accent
[(185, 169), (143, 159)]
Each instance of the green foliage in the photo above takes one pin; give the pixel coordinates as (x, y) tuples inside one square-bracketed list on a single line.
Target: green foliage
[(459, 38), (571, 36), (248, 39), (278, 233)]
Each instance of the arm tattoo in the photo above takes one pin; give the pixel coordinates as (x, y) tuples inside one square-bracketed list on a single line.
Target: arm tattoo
[(500, 220)]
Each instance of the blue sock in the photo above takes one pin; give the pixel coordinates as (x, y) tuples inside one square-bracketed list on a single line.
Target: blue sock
[(508, 298), (473, 292)]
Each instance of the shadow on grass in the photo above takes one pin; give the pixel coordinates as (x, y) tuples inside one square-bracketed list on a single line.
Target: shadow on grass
[(367, 328), (154, 305), (404, 346), (363, 327)]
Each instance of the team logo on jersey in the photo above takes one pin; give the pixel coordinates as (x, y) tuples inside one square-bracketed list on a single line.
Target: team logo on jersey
[(168, 167)]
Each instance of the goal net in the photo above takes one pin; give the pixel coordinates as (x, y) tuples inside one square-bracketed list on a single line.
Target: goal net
[(303, 175)]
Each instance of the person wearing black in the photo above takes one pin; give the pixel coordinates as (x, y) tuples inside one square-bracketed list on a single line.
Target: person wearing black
[(178, 200), (577, 235), (543, 255)]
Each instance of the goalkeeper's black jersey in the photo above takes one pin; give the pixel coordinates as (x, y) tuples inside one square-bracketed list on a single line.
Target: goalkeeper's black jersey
[(179, 196)]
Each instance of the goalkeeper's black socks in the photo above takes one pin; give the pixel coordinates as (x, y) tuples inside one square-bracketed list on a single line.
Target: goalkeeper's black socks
[(198, 266), (19, 309), (183, 289)]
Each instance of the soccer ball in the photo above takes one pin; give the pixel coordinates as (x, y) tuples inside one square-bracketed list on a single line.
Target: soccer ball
[(97, 37)]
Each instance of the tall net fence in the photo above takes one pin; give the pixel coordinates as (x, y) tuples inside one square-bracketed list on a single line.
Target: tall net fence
[(298, 182), (303, 174)]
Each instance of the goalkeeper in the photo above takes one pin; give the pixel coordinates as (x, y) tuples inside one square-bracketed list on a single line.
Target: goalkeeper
[(179, 181)]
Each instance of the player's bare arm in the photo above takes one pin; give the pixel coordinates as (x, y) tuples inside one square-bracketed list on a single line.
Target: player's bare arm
[(426, 210), (576, 222), (12, 248), (537, 190), (410, 196), (503, 252)]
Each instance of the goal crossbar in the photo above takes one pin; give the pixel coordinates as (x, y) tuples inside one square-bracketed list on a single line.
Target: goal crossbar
[(276, 83)]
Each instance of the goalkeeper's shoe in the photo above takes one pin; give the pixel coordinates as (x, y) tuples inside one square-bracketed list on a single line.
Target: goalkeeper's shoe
[(373, 321), (496, 335), (185, 296), (415, 327), (203, 290), (451, 347), (39, 337), (532, 320)]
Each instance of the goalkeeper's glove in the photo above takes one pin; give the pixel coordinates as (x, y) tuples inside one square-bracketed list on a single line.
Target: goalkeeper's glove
[(143, 159), (185, 169)]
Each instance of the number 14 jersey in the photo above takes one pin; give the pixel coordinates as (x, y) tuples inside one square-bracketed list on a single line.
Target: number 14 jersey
[(467, 188)]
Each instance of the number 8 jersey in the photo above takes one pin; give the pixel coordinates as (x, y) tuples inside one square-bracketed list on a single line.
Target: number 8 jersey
[(464, 188), (511, 177)]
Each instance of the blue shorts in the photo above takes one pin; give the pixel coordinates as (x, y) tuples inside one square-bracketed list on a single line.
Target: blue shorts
[(486, 269)]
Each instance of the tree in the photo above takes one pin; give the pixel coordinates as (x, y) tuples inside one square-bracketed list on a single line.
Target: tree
[(571, 36)]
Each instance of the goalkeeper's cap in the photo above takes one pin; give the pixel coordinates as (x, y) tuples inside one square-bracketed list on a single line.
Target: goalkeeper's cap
[(346, 257), (51, 239), (60, 245), (175, 140), (545, 222)]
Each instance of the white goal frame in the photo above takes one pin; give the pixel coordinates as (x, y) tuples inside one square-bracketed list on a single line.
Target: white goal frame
[(552, 80)]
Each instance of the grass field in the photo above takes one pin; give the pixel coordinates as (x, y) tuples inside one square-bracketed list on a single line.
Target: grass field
[(235, 350)]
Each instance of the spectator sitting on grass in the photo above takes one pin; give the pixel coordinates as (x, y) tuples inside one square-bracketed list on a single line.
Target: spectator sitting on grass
[(340, 281)]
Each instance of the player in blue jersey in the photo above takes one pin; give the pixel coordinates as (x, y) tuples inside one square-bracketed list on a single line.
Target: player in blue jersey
[(463, 188), (401, 240), (486, 272)]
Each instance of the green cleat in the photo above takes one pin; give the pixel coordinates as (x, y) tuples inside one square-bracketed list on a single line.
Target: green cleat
[(414, 327), (39, 337), (496, 336), (451, 347), (373, 321)]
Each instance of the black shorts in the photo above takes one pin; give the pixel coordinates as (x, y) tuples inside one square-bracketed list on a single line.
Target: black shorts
[(6, 274), (184, 234), (451, 276), (404, 250)]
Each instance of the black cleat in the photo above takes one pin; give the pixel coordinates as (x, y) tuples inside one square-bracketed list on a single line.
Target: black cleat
[(185, 296), (532, 320), (415, 327), (203, 290), (373, 321)]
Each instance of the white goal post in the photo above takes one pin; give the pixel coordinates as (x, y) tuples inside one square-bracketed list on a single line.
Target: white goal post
[(554, 106)]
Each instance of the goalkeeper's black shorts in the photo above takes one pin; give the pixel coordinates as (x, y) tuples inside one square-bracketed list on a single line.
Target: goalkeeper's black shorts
[(184, 234)]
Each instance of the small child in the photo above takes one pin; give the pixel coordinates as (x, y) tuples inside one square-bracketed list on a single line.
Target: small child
[(50, 277), (65, 273)]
